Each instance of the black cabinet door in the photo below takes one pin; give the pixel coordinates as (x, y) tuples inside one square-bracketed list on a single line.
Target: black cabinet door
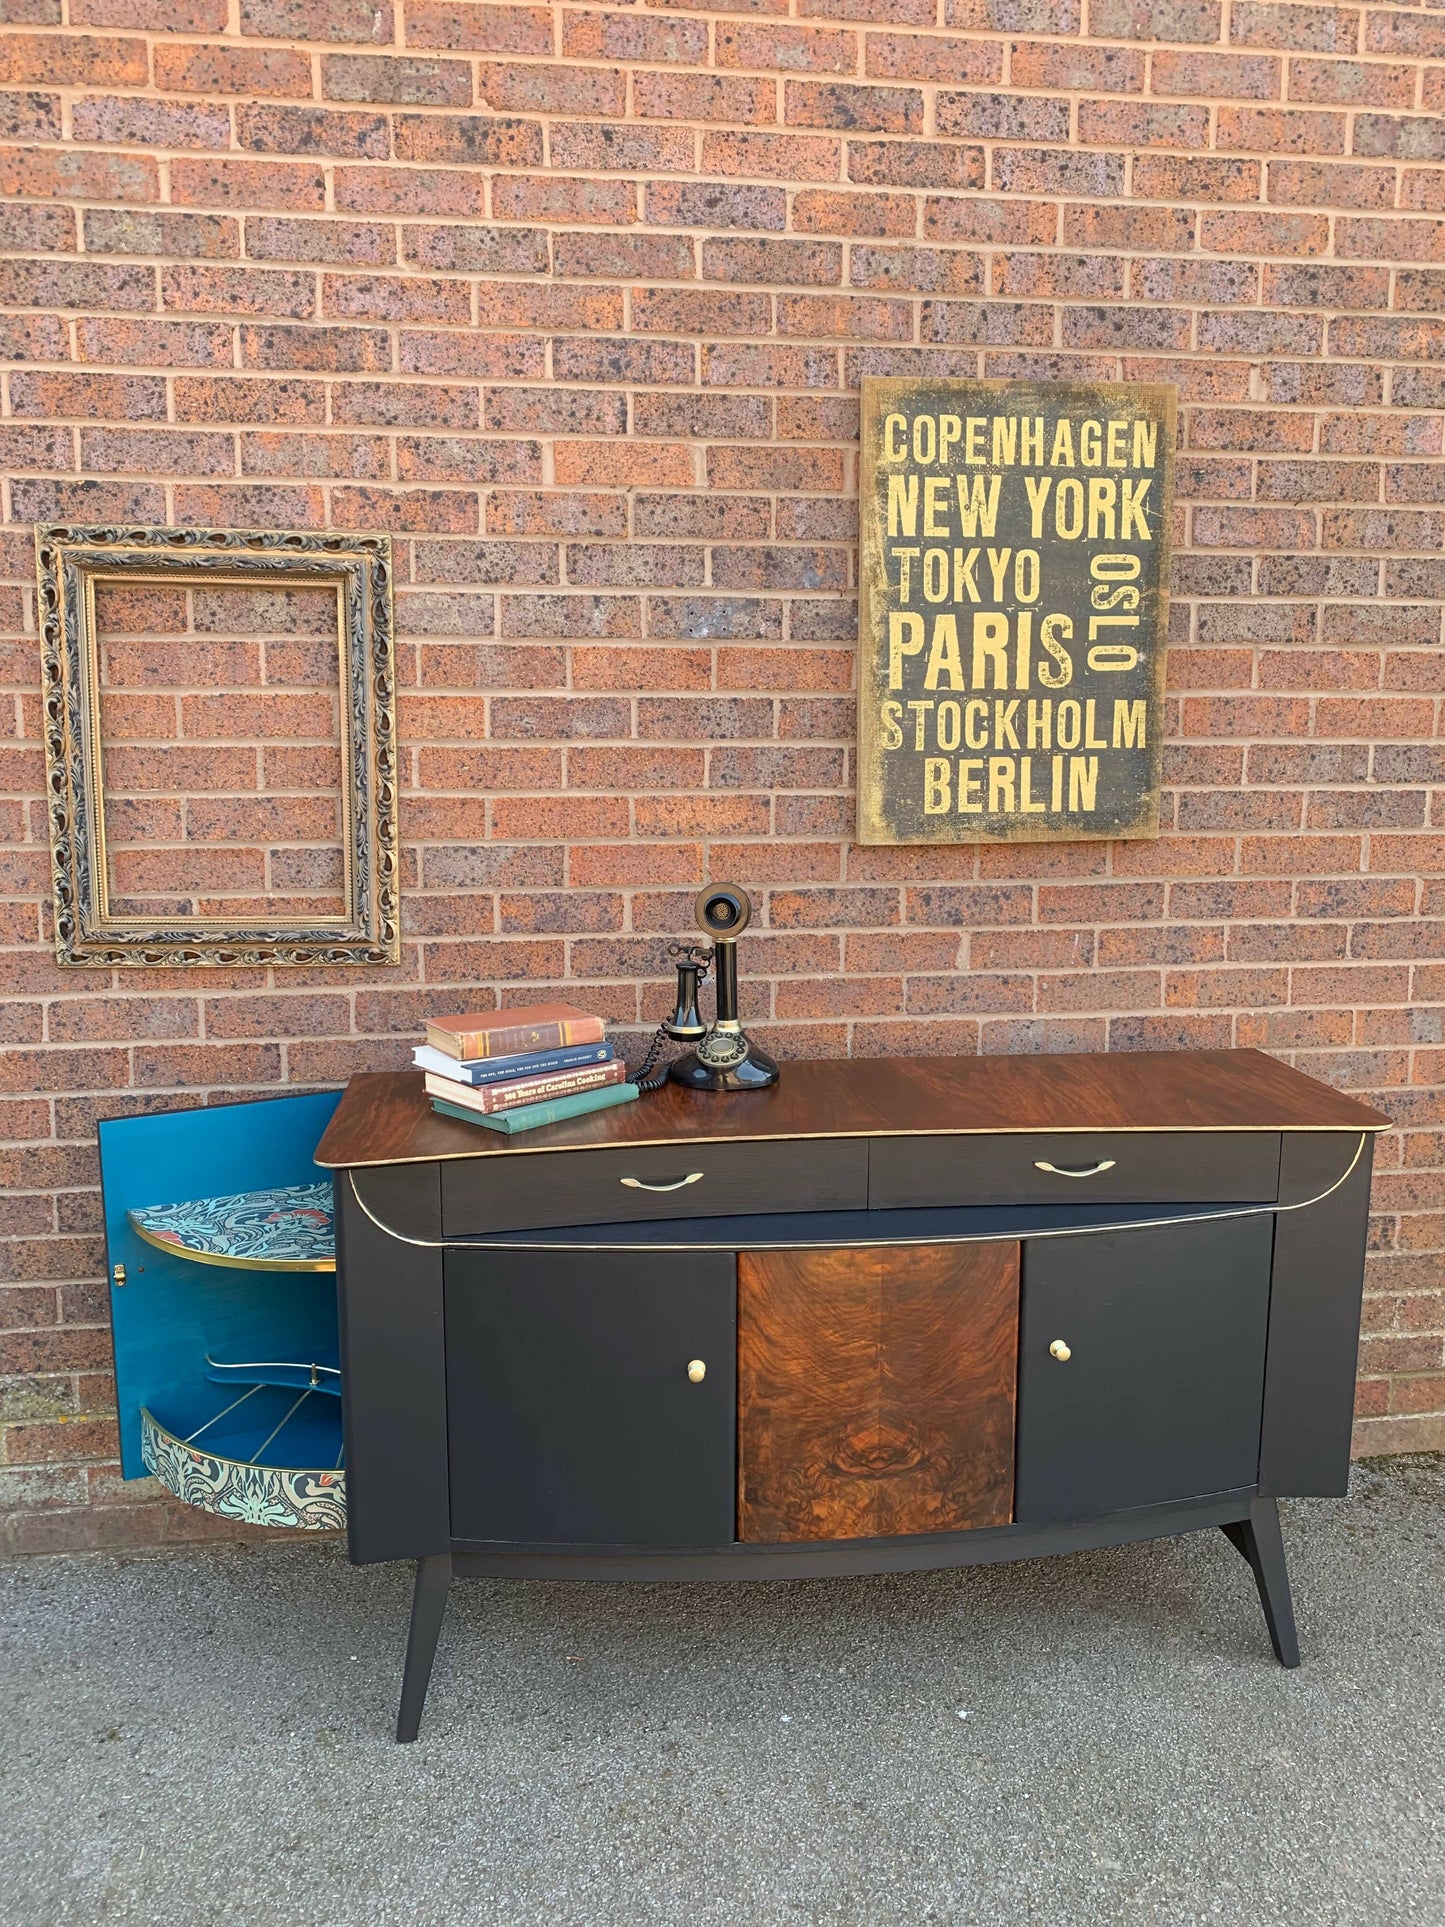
[(571, 1415), (1161, 1393)]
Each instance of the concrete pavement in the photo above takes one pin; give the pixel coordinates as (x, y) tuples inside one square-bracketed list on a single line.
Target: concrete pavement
[(201, 1739)]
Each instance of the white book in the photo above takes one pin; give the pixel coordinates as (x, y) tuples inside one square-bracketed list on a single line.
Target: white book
[(428, 1058)]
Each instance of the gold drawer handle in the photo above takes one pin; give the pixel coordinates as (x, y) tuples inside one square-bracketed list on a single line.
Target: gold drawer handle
[(1067, 1170), (666, 1184), (1060, 1351), (696, 1370)]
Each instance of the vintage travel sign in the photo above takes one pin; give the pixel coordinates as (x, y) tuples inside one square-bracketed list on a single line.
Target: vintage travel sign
[(1014, 609)]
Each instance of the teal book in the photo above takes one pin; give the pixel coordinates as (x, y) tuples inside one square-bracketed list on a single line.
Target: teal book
[(527, 1117)]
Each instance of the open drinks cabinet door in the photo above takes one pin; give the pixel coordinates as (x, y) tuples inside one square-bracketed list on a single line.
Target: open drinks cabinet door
[(221, 1252)]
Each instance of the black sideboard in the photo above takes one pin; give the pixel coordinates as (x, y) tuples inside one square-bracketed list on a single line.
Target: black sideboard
[(889, 1315)]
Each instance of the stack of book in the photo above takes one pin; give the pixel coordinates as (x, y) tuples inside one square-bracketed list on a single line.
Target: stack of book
[(515, 1069)]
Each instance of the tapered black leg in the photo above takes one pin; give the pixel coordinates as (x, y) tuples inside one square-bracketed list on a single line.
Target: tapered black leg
[(428, 1605), (1258, 1539)]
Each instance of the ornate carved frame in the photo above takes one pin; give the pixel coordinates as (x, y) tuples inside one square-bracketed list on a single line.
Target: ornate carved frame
[(69, 562)]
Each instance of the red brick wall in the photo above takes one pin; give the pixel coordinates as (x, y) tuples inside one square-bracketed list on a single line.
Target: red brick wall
[(574, 300), (221, 751)]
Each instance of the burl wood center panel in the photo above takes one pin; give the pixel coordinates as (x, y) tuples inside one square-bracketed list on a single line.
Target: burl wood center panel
[(876, 1390)]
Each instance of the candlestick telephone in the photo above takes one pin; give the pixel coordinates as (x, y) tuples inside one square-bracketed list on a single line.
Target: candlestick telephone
[(722, 1057)]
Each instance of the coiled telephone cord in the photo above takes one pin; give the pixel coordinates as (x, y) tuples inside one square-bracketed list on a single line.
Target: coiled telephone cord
[(641, 1076)]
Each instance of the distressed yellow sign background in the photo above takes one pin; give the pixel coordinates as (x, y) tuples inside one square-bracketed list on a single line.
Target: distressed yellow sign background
[(1014, 609)]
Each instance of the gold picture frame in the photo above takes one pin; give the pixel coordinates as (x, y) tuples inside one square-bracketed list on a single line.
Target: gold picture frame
[(70, 562)]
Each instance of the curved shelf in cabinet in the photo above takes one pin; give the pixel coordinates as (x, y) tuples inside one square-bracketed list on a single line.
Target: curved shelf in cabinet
[(289, 1228), (272, 1456)]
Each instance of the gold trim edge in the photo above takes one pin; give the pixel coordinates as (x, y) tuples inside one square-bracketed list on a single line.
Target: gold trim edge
[(511, 1243), (809, 1137), (229, 1263)]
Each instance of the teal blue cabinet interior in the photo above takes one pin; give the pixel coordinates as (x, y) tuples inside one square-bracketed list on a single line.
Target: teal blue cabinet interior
[(226, 1374), (535, 1340)]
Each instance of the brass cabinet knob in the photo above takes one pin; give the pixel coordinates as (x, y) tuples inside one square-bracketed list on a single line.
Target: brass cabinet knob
[(117, 1273), (1060, 1351), (697, 1370)]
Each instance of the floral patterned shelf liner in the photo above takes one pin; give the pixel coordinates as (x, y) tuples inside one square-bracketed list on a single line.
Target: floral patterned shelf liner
[(291, 1228), (259, 1495)]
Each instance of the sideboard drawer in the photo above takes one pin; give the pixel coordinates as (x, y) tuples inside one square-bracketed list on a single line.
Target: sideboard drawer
[(544, 1188), (1075, 1167)]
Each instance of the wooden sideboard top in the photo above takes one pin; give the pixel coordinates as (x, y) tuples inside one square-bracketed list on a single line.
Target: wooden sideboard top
[(385, 1117)]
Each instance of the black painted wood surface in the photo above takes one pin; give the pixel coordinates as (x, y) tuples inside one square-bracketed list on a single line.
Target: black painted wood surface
[(1314, 1320), (846, 1558), (809, 1174), (571, 1415), (393, 1369), (1179, 1167), (785, 1230), (1161, 1396), (391, 1291), (1258, 1540)]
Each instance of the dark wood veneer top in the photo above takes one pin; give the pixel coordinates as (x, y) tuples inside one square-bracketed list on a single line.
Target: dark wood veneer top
[(385, 1117)]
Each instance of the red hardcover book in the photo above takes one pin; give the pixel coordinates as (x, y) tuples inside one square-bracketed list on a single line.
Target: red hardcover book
[(508, 1033), (491, 1098)]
